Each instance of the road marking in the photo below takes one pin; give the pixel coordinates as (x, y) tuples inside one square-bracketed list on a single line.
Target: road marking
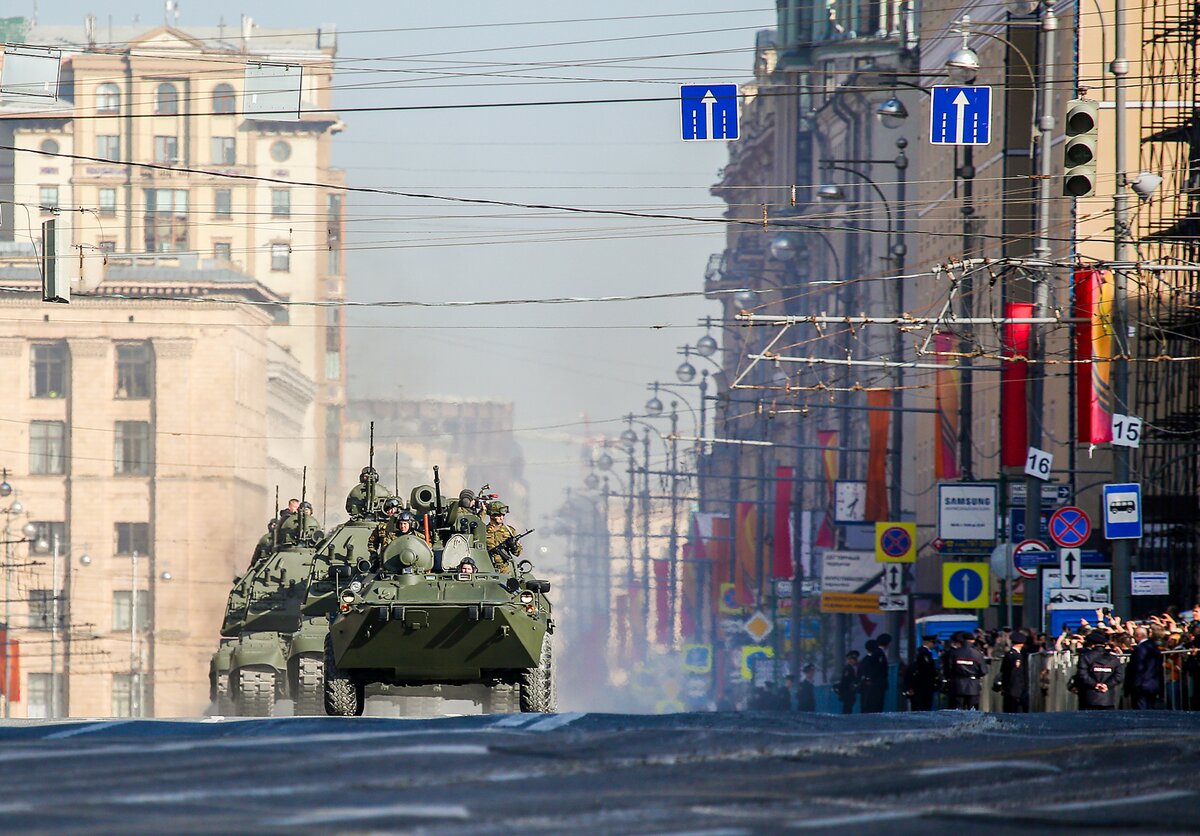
[(855, 818), (1069, 806), (88, 729), (977, 766), (555, 721), (336, 815)]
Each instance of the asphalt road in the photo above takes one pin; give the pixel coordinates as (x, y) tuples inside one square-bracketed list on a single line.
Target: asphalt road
[(589, 773)]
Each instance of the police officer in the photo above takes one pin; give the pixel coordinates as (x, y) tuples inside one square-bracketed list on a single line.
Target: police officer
[(873, 673), (499, 535), (964, 666), (1098, 675), (847, 686), (385, 530), (359, 501), (1013, 681), (923, 675)]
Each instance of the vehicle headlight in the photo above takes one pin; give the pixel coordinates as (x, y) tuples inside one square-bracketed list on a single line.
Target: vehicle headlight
[(348, 597), (526, 598), (356, 586)]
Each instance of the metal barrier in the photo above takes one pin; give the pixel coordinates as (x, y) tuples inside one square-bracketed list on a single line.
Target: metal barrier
[(1050, 673)]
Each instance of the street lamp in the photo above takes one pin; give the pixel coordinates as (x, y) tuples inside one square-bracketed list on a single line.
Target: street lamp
[(831, 193), (962, 67), (591, 481), (604, 462), (686, 372), (785, 248), (892, 113), (5, 488), (654, 406)]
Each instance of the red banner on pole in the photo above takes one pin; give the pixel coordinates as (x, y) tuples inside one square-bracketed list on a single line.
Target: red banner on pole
[(10, 667), (946, 396), (1015, 342), (878, 421), (828, 439), (781, 564), (745, 576), (1094, 344)]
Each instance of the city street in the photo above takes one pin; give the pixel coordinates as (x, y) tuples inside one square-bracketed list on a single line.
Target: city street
[(693, 773)]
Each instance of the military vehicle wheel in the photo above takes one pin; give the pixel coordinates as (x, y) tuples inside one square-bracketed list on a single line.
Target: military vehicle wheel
[(222, 705), (343, 696), (502, 698), (307, 693), (255, 693), (538, 692)]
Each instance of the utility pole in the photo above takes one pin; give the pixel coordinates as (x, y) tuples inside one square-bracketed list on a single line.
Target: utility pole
[(673, 548), (1122, 562), (55, 684), (134, 701), (1041, 250)]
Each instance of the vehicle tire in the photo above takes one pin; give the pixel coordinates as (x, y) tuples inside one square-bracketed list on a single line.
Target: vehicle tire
[(538, 691), (343, 696), (222, 704), (503, 698), (307, 695), (255, 696)]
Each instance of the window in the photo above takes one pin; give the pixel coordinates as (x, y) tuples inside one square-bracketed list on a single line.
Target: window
[(41, 609), (280, 151), (108, 202), (333, 365), (224, 150), (166, 99), (128, 695), (39, 702), (281, 203), (48, 372), (108, 98), (166, 149), (107, 245), (134, 370), (223, 203), (223, 99), (48, 198), (166, 220), (131, 538), (131, 448), (281, 258), (50, 146), (46, 535), (108, 147), (222, 251), (122, 612), (47, 448), (333, 235), (333, 334)]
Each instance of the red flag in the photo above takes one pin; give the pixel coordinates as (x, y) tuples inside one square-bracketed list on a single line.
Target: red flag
[(719, 548), (946, 397), (781, 564), (745, 576), (1093, 343), (10, 667), (828, 439), (1014, 430), (878, 420)]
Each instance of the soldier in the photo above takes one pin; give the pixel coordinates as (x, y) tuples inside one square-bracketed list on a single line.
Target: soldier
[(964, 667), (1013, 682), (923, 676), (500, 543), (359, 502), (290, 529), (292, 507), (388, 529), (1098, 675), (467, 506)]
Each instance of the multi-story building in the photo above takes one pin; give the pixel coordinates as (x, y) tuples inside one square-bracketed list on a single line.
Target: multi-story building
[(151, 419)]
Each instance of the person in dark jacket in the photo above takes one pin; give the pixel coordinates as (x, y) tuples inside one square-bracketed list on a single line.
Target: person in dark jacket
[(923, 676), (1098, 675), (964, 667), (873, 674), (1013, 682), (1144, 679), (806, 692), (847, 686)]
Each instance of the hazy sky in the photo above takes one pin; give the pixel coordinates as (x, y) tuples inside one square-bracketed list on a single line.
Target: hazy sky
[(560, 364)]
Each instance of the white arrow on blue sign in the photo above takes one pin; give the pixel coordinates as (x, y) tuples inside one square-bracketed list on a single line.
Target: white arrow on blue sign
[(960, 116), (709, 111)]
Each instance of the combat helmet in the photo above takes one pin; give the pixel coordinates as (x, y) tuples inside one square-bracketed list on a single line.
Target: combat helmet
[(496, 507)]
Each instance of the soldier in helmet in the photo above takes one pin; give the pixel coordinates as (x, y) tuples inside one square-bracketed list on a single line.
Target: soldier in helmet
[(266, 543), (386, 531), (501, 545), (365, 493), (299, 522)]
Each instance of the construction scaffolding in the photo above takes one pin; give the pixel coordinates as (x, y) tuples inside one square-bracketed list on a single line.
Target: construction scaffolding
[(1168, 393)]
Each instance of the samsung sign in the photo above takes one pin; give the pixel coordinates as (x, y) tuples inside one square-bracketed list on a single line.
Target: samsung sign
[(967, 511)]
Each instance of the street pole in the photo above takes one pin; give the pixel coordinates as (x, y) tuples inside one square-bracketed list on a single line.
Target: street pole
[(647, 626), (134, 701), (898, 252), (1122, 558), (54, 682), (1041, 250), (7, 610), (673, 543)]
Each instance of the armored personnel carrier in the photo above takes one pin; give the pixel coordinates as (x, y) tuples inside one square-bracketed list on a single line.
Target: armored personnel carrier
[(431, 609), (231, 625), (260, 658)]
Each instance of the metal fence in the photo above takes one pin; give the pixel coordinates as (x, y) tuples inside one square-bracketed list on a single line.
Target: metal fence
[(1049, 674)]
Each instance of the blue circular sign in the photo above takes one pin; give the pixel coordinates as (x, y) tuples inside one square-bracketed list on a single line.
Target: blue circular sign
[(965, 585), (895, 542), (1070, 527)]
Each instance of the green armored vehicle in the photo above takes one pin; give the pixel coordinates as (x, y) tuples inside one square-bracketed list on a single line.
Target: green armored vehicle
[(231, 625), (263, 663), (432, 609)]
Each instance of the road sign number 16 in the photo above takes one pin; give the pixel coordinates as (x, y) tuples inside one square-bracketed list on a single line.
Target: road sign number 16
[(1038, 464)]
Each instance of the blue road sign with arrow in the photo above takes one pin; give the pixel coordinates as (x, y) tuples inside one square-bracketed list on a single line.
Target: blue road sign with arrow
[(709, 111), (960, 115)]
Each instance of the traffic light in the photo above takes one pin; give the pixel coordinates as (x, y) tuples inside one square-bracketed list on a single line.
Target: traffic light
[(1079, 151)]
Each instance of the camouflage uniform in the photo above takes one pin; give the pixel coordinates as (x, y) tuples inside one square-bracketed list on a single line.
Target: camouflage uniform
[(496, 535), (384, 533)]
